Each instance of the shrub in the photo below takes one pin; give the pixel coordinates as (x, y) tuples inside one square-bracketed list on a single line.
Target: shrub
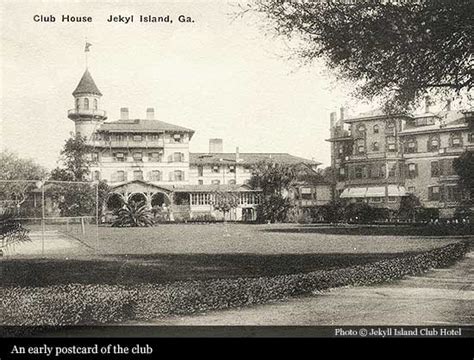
[(133, 215)]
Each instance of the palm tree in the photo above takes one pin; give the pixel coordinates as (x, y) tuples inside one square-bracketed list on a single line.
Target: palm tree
[(133, 214)]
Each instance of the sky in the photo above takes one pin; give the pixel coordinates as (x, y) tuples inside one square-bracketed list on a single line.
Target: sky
[(224, 77)]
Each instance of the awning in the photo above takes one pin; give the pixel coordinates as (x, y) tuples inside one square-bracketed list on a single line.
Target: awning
[(358, 192), (373, 191)]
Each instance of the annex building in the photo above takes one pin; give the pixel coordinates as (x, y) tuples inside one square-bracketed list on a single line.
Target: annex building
[(145, 159), (379, 159)]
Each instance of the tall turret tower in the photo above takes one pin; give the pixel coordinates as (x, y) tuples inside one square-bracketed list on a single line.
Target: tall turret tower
[(86, 114)]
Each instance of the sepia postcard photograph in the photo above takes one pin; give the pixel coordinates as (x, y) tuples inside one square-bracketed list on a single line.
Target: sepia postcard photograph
[(240, 168)]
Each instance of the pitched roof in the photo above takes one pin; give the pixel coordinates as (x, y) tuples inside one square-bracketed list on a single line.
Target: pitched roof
[(141, 125), (247, 158), (86, 85), (211, 188)]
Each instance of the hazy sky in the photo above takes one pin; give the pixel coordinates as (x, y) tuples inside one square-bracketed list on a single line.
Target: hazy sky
[(223, 78)]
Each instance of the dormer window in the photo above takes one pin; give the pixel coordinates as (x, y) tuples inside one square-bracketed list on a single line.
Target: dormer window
[(177, 138), (231, 169), (215, 169)]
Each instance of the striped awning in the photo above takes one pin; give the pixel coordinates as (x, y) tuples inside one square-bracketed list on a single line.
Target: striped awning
[(374, 191)]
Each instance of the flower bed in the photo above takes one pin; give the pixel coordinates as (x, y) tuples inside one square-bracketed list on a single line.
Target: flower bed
[(89, 304)]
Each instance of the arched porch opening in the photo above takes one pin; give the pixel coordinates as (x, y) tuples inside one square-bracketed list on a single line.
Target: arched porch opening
[(159, 198), (114, 202), (137, 198)]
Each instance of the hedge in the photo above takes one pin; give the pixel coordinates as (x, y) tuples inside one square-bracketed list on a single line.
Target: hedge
[(77, 304)]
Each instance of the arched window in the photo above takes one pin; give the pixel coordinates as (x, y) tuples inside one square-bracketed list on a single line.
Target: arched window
[(376, 129), (95, 104), (86, 104), (77, 104)]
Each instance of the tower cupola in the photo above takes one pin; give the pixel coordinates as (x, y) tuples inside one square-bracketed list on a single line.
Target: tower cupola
[(87, 114)]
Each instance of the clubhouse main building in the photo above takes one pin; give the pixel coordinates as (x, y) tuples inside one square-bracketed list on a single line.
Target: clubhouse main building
[(149, 160)]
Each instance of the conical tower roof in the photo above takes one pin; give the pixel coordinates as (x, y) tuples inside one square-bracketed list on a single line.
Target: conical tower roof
[(87, 85)]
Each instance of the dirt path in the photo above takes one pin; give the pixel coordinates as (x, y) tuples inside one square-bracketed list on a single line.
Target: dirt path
[(440, 297)]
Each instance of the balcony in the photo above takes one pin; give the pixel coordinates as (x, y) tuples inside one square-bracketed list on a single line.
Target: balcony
[(81, 113)]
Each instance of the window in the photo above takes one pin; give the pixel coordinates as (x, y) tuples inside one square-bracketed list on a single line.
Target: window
[(392, 169), (375, 146), (456, 140), (215, 182), (154, 157), (391, 143), (86, 104), (232, 169), (178, 157), (200, 182), (342, 171), (137, 138), (435, 169), (390, 127), (77, 104), (247, 169), (200, 170), (94, 157), (434, 193), (433, 144), (359, 172), (392, 199), (360, 146), (201, 199), (121, 138), (376, 129), (177, 138), (361, 128), (178, 175), (411, 146), (138, 156), (232, 182), (470, 137), (120, 157), (215, 169), (306, 193), (412, 171), (96, 175), (95, 104), (155, 175), (154, 137), (137, 175), (376, 199)]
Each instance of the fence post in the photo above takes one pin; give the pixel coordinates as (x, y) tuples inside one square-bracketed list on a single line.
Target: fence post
[(83, 229)]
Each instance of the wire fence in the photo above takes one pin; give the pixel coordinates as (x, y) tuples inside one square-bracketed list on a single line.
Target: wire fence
[(41, 218)]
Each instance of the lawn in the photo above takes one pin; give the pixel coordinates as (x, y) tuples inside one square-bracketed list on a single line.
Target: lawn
[(175, 252)]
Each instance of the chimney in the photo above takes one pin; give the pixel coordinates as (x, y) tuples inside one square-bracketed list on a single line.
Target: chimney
[(333, 119), (427, 104), (123, 113), (343, 111), (150, 114), (215, 146), (237, 154)]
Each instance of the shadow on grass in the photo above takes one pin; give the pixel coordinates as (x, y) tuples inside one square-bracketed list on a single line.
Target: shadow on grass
[(380, 230), (165, 268)]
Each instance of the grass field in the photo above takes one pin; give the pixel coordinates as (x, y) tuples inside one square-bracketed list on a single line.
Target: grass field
[(168, 253)]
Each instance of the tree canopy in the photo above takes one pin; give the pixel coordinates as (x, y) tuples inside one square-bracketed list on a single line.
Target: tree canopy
[(74, 157), (395, 52)]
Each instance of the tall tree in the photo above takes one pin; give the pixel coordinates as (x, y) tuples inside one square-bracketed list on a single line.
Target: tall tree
[(74, 157), (224, 201), (394, 52)]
